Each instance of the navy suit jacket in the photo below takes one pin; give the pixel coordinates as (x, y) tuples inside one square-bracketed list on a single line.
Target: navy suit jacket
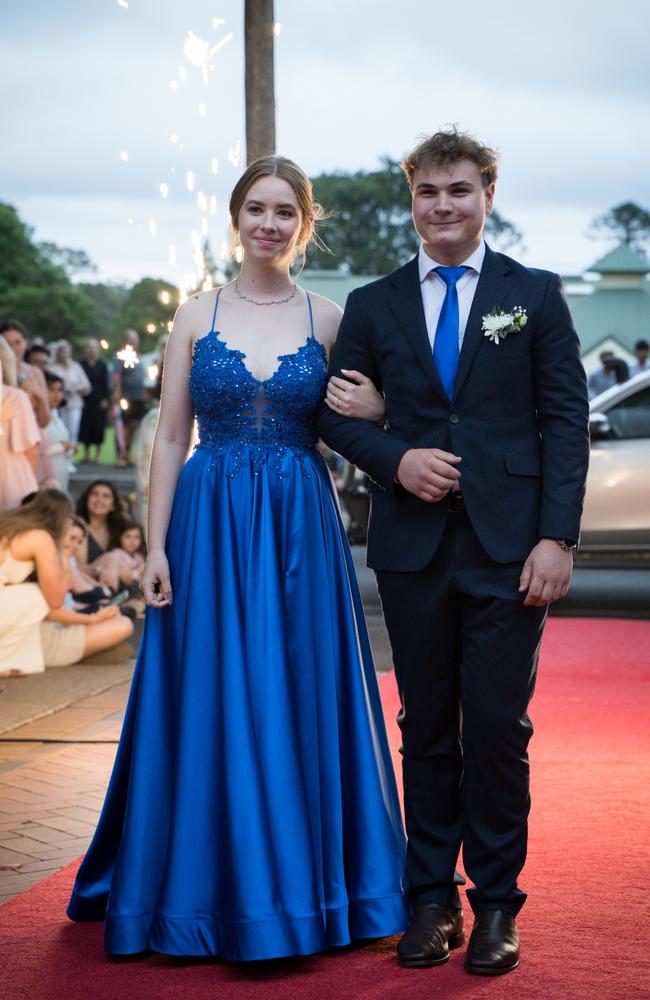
[(518, 416)]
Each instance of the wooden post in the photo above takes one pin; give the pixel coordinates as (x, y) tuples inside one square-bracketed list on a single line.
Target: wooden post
[(259, 78)]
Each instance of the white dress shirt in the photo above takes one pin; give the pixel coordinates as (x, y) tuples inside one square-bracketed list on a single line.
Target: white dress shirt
[(434, 289)]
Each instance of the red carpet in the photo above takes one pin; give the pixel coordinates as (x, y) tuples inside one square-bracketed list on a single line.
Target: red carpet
[(584, 929)]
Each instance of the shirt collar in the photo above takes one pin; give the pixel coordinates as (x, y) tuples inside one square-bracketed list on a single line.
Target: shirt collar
[(427, 264)]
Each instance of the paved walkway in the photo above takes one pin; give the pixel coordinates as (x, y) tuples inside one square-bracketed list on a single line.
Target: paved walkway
[(51, 792)]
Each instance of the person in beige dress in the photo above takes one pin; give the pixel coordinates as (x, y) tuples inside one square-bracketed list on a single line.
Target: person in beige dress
[(30, 539)]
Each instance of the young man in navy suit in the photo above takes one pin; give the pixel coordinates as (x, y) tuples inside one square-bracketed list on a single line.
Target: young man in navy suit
[(478, 481)]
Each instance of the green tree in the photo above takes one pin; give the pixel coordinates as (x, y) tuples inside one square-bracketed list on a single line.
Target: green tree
[(73, 262), (627, 223), (151, 302), (36, 290), (108, 301), (53, 312), (370, 230)]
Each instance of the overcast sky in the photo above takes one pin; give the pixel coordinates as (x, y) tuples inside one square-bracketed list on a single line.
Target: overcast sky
[(560, 88)]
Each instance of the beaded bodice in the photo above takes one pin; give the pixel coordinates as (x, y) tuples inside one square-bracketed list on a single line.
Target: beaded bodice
[(236, 411)]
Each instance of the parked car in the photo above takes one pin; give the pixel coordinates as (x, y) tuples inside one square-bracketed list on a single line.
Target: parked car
[(616, 521)]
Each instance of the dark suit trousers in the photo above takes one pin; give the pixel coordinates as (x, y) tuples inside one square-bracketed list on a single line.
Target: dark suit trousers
[(465, 651)]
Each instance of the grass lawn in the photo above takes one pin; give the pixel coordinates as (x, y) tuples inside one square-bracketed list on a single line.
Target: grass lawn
[(107, 452)]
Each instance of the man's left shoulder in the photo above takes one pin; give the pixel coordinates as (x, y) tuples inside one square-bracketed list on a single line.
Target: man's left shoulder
[(536, 276)]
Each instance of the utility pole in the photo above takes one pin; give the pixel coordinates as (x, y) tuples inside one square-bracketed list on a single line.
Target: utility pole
[(259, 25)]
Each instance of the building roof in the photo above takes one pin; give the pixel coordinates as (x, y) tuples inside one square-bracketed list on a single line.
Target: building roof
[(621, 260), (618, 313)]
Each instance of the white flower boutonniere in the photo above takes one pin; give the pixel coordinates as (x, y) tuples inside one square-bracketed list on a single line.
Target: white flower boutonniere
[(498, 324)]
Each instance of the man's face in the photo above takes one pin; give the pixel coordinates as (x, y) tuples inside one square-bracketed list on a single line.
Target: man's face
[(642, 354), (449, 209), (16, 342), (40, 359)]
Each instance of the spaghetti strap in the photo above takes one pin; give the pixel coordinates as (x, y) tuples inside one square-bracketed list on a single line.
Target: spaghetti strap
[(214, 314), (311, 316)]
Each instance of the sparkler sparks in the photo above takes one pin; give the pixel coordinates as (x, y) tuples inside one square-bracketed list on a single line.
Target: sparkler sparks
[(129, 358), (198, 51)]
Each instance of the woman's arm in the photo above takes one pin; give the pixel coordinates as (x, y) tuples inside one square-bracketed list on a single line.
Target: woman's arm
[(65, 616), (170, 447)]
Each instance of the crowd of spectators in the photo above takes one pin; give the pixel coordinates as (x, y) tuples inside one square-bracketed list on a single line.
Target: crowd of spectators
[(614, 370), (70, 573)]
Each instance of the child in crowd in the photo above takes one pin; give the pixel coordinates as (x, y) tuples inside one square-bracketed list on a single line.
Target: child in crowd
[(125, 563), (84, 589), (56, 436)]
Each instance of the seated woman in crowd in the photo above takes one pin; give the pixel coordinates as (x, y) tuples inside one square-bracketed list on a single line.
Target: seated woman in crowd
[(19, 435), (101, 508), (69, 635), (31, 537)]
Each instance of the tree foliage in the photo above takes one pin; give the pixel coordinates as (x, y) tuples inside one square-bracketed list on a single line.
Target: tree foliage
[(144, 307), (108, 301), (627, 223), (34, 288), (370, 230), (73, 262)]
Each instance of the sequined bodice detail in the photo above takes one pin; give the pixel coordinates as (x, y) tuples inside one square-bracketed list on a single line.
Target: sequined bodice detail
[(236, 411)]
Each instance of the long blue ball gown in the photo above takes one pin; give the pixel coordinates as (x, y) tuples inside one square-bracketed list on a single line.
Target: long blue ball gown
[(252, 812)]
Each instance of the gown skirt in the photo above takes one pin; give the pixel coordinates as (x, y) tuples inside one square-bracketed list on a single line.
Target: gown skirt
[(252, 812)]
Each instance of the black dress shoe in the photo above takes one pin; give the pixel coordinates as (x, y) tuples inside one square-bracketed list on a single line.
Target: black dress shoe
[(432, 932), (493, 945)]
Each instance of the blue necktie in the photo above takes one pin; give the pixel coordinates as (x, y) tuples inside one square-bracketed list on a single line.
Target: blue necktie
[(445, 345)]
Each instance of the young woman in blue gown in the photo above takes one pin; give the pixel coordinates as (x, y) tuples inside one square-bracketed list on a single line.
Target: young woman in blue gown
[(252, 812)]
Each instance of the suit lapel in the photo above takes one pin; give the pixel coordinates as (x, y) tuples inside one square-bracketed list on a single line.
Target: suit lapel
[(494, 283), (405, 300)]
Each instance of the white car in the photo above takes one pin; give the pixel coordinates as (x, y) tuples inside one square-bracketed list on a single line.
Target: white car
[(616, 520)]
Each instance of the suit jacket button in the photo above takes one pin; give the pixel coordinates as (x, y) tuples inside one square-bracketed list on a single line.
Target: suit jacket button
[(454, 418)]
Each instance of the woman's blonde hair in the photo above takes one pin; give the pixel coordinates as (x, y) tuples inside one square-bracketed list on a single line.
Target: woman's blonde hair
[(287, 170), (7, 363), (49, 510)]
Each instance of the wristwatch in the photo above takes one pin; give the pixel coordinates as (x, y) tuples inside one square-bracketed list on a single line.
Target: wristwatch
[(566, 544)]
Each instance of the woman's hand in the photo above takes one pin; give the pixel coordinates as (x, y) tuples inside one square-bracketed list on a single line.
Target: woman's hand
[(156, 584), (355, 396), (103, 614)]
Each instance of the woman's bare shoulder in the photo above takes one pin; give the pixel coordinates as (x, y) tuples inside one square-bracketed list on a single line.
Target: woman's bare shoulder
[(30, 543), (327, 318), (193, 317)]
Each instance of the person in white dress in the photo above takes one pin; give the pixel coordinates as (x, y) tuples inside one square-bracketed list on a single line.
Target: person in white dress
[(56, 435), (76, 386)]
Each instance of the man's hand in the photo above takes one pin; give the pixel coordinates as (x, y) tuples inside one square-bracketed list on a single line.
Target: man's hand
[(428, 473), (546, 574)]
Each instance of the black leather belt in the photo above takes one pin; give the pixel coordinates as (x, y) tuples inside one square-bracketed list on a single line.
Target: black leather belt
[(456, 503)]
